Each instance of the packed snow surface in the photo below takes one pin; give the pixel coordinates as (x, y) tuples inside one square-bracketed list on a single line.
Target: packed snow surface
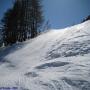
[(55, 60)]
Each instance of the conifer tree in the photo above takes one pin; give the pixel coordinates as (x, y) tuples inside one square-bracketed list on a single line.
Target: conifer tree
[(9, 35), (23, 21), (87, 18), (36, 17)]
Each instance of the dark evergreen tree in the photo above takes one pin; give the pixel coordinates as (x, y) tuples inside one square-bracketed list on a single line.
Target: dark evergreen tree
[(36, 17), (31, 18), (10, 23), (9, 36), (23, 21), (87, 18)]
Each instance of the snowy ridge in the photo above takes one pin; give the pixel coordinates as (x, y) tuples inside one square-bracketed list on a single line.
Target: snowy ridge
[(56, 60)]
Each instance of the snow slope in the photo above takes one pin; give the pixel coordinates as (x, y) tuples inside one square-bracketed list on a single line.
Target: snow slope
[(55, 60)]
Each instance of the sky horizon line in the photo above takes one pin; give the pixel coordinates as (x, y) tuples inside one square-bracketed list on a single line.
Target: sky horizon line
[(60, 13)]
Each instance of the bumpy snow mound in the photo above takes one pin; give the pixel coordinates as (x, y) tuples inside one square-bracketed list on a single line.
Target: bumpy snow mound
[(75, 41), (56, 60)]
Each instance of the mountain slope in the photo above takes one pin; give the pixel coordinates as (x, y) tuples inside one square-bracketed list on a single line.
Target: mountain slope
[(56, 60)]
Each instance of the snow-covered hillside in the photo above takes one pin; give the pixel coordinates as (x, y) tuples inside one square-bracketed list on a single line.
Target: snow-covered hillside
[(55, 60)]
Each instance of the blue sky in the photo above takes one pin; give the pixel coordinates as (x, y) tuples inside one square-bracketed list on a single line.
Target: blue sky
[(60, 13)]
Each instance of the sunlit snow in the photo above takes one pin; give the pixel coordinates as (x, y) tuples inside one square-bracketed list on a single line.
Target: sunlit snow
[(55, 60)]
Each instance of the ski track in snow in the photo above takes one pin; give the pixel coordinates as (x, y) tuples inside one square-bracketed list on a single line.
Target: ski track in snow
[(55, 60)]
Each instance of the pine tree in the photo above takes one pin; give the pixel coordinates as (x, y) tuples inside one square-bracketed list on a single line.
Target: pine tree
[(30, 18), (10, 25), (36, 17), (9, 36), (23, 21), (87, 18)]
